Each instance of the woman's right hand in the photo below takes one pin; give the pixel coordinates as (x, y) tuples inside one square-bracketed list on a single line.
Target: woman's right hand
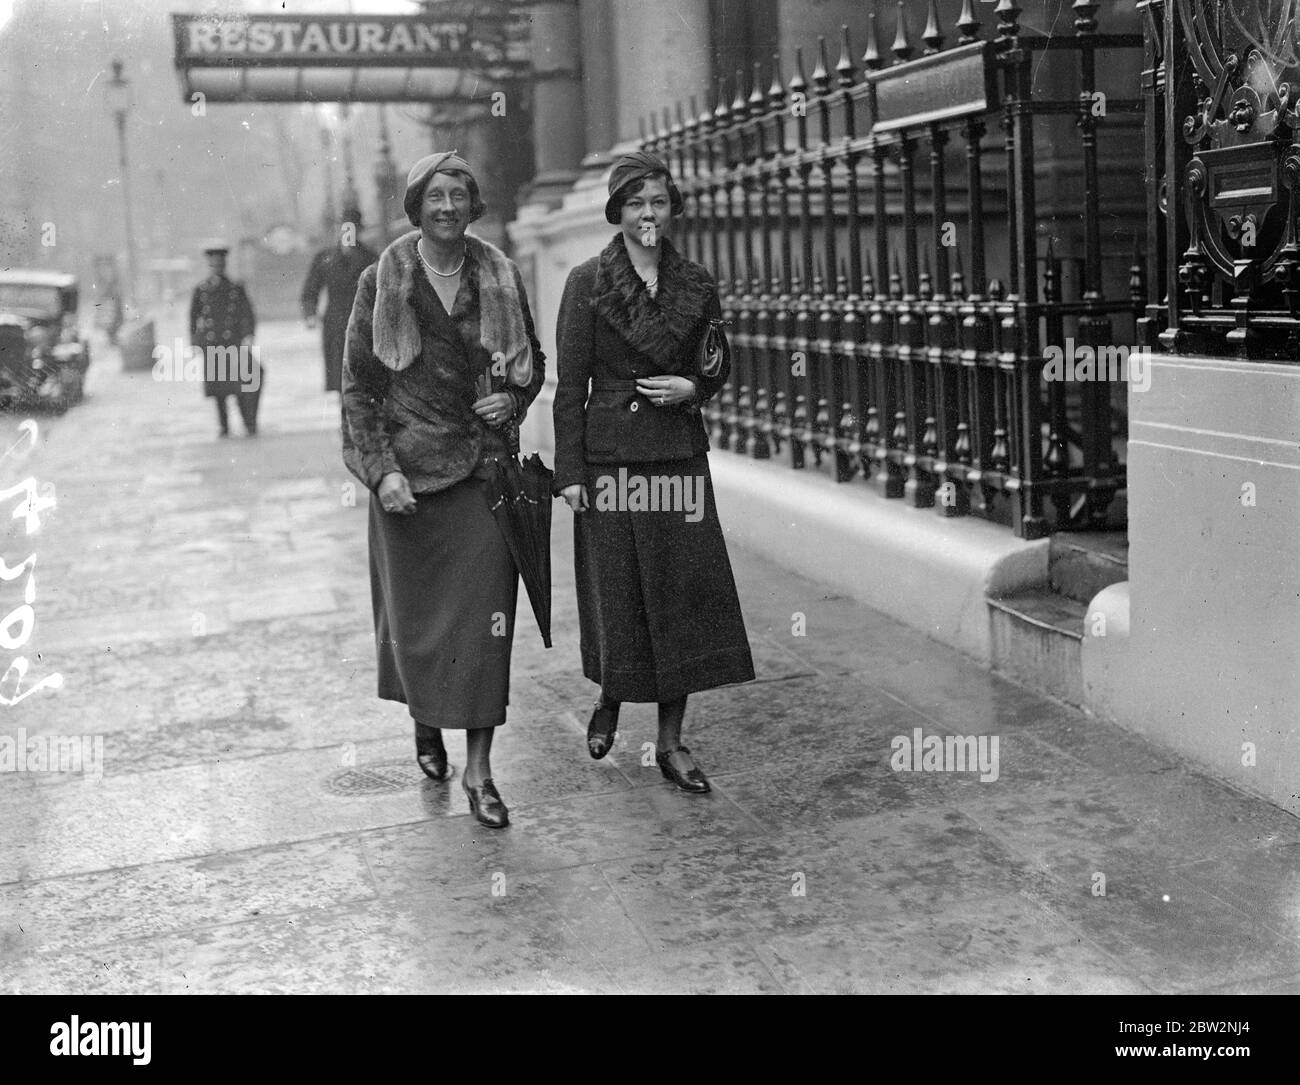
[(576, 496), (395, 494)]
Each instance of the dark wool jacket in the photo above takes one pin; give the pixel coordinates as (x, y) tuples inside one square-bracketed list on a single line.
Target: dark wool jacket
[(420, 421), (611, 330)]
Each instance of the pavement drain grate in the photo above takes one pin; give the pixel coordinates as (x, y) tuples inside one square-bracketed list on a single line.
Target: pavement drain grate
[(377, 779)]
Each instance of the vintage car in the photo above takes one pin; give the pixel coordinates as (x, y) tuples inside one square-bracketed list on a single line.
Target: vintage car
[(43, 357)]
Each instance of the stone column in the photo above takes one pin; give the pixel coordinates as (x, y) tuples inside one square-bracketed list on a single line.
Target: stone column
[(599, 80), (662, 56), (559, 126)]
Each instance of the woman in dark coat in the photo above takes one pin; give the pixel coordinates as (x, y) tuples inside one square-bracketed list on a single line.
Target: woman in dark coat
[(440, 364), (657, 602)]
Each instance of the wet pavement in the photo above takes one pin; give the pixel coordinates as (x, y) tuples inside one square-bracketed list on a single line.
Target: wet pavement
[(260, 824)]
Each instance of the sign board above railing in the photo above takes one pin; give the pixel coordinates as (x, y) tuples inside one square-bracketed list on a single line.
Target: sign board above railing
[(248, 57)]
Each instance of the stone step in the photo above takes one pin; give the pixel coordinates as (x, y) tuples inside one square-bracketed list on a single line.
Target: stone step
[(1080, 564), (1037, 639)]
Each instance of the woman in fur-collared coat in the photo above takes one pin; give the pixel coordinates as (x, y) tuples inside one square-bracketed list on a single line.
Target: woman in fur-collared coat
[(657, 603), (440, 363)]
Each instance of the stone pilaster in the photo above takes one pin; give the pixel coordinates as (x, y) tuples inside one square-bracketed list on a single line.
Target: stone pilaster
[(559, 112)]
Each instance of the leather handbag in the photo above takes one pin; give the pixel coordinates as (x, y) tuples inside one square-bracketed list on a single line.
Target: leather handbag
[(714, 349), (622, 426)]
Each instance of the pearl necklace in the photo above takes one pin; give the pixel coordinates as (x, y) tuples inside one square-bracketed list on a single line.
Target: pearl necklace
[(442, 274)]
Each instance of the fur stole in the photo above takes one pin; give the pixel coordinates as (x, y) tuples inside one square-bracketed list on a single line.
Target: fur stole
[(661, 327), (504, 336)]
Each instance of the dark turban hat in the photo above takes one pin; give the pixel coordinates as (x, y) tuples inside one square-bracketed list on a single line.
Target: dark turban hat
[(422, 172), (628, 172)]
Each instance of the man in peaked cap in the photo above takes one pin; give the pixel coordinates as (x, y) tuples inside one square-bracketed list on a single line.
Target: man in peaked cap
[(221, 330)]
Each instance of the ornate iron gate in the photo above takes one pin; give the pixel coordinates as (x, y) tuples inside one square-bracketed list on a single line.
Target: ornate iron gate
[(1224, 113), (876, 239)]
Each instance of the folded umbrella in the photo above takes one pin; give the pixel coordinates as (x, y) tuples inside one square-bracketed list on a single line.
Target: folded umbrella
[(519, 495)]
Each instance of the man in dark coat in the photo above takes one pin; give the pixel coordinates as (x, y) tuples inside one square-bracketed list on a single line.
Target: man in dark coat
[(336, 270), (221, 330)]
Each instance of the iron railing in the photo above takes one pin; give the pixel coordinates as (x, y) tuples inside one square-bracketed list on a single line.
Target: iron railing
[(877, 239)]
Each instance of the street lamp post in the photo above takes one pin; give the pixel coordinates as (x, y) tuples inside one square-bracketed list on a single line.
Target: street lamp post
[(119, 95)]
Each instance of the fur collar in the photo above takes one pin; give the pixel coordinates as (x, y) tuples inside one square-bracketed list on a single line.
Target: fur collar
[(661, 326), (397, 338)]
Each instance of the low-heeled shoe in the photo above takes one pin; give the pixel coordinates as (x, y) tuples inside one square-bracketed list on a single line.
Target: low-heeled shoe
[(430, 754), (601, 729), (693, 780), (486, 805)]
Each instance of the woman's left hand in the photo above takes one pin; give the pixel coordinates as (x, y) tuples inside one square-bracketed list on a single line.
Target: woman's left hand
[(666, 391), (495, 409)]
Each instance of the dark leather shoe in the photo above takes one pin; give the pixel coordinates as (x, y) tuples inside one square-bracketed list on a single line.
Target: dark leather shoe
[(486, 805), (683, 771), (601, 729), (430, 754)]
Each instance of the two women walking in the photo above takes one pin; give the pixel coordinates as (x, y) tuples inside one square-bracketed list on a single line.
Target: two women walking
[(440, 365)]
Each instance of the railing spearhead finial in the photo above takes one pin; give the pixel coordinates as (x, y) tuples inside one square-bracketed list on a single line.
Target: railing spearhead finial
[(1051, 288), (932, 35), (1137, 277), (738, 106), (756, 90), (776, 92), (845, 70), (902, 47), (871, 58), (821, 73), (721, 113), (798, 82), (967, 25)]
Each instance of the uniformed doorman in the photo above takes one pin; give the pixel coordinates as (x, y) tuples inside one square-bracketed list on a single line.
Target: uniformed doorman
[(221, 329), (336, 271)]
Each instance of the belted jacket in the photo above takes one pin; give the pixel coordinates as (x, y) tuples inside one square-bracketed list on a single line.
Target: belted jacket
[(611, 332)]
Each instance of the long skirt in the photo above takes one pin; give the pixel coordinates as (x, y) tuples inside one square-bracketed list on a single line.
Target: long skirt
[(444, 588), (658, 611)]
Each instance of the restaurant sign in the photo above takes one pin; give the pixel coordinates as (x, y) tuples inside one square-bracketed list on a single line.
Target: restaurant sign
[(480, 40), (460, 55)]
